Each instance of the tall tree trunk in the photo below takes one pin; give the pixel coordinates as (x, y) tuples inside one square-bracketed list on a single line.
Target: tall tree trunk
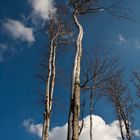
[(75, 95), (49, 90), (50, 83), (45, 133)]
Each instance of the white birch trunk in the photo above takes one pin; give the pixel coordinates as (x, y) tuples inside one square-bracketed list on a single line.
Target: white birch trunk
[(45, 133), (75, 95), (49, 90)]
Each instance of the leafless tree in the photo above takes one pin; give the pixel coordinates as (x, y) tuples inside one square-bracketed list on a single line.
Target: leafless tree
[(120, 97), (100, 69), (57, 31), (81, 7), (103, 78), (54, 33), (136, 81)]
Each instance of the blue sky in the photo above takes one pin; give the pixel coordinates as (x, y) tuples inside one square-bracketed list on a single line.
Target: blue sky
[(20, 89)]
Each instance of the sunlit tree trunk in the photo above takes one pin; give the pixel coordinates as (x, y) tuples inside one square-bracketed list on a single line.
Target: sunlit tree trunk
[(73, 127), (50, 83), (49, 91)]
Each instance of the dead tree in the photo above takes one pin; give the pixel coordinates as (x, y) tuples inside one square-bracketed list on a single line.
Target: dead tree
[(122, 102)]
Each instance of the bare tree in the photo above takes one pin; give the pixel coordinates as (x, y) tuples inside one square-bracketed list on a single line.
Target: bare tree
[(103, 78), (57, 30), (54, 33), (121, 99), (81, 7), (136, 81), (100, 69)]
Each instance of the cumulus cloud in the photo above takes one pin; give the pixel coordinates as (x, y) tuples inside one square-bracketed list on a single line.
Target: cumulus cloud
[(18, 30), (100, 130), (42, 8)]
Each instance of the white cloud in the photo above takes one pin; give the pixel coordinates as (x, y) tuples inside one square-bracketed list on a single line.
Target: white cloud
[(42, 8), (17, 30), (136, 132), (32, 128), (101, 130), (137, 43), (128, 42), (122, 39)]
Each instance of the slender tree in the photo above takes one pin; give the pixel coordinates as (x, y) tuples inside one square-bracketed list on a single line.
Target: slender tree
[(58, 30), (81, 7), (123, 104), (103, 78), (136, 81), (101, 68), (54, 33)]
